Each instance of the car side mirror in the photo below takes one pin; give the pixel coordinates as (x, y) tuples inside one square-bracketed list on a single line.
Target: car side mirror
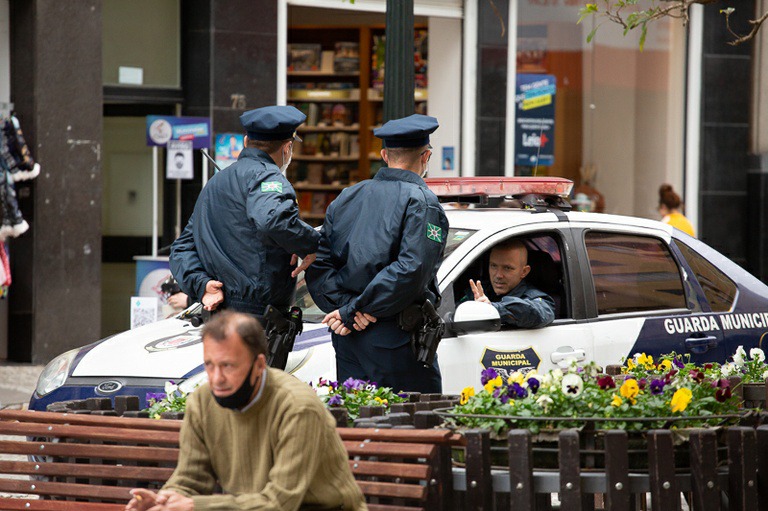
[(475, 317)]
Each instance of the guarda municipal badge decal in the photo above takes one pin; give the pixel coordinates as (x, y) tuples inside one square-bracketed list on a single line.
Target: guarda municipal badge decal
[(507, 362), (173, 342), (434, 233)]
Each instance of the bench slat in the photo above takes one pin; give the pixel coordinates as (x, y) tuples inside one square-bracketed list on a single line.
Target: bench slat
[(402, 470), (86, 470), (432, 436), (393, 490), (96, 433), (85, 491), (390, 449), (89, 420), (384, 507), (112, 452), (56, 505)]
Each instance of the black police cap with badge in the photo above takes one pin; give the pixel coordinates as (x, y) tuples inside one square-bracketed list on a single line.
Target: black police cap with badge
[(272, 122), (411, 131)]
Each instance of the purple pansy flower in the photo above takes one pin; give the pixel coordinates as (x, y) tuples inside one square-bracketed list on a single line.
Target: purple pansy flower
[(533, 384), (517, 390), (606, 382), (335, 400), (156, 396), (487, 375), (678, 363), (352, 384), (657, 387)]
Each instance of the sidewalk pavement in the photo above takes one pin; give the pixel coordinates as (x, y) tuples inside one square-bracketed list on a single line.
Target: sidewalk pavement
[(17, 382)]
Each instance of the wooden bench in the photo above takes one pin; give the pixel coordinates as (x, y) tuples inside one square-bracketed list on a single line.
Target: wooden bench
[(74, 462)]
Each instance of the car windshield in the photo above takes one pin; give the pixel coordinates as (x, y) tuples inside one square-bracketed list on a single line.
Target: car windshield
[(313, 314)]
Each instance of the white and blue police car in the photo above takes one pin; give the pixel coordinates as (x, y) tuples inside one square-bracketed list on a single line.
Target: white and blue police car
[(621, 285)]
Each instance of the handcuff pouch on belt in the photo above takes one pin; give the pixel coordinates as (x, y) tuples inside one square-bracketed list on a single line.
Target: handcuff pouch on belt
[(281, 332), (426, 329)]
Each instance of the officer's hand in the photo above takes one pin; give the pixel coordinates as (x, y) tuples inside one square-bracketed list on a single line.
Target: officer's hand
[(309, 259), (362, 320), (477, 290), (335, 324), (178, 301), (214, 295), (141, 500)]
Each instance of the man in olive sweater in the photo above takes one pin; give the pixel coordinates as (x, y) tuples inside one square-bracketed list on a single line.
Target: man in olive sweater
[(260, 433)]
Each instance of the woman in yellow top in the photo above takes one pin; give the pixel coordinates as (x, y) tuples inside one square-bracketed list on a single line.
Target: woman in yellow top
[(669, 208)]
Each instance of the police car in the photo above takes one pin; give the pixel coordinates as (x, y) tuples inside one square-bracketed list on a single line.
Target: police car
[(621, 285)]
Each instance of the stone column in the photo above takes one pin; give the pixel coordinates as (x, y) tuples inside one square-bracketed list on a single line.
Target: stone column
[(56, 85)]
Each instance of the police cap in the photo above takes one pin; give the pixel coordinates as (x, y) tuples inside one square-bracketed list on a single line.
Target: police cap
[(272, 122), (411, 131)]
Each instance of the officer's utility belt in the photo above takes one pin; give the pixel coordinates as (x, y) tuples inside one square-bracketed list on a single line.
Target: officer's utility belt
[(426, 329), (281, 330)]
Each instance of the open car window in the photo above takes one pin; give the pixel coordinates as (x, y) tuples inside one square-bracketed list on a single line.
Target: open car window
[(547, 272)]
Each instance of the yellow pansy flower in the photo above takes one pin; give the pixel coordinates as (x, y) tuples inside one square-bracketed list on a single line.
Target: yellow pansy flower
[(617, 401), (380, 401), (467, 393), (630, 364), (665, 365), (516, 377), (492, 384), (630, 389), (681, 399), (645, 360)]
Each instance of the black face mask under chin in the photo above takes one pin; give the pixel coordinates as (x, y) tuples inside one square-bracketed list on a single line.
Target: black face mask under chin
[(240, 397)]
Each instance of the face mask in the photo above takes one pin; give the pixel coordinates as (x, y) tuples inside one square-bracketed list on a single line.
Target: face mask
[(241, 396), (284, 167)]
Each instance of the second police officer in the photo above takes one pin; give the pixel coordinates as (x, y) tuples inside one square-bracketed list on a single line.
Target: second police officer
[(381, 245), (240, 247)]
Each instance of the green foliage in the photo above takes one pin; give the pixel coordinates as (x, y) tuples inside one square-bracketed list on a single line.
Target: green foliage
[(352, 394), (174, 400)]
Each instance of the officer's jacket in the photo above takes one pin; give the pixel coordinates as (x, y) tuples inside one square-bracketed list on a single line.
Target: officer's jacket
[(243, 231), (525, 306), (381, 245)]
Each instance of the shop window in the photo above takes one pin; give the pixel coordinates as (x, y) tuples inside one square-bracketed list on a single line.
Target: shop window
[(633, 273), (718, 288), (142, 43)]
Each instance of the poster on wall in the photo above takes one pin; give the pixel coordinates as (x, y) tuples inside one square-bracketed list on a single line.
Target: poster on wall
[(179, 163), (228, 147), (535, 119)]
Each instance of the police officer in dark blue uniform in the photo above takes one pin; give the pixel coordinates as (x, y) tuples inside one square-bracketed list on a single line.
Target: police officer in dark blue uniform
[(240, 247), (519, 303), (381, 244)]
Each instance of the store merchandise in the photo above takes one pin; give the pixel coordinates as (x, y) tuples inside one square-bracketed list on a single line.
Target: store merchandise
[(304, 57), (346, 57)]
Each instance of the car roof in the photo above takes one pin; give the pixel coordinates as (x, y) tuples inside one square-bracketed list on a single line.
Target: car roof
[(496, 219)]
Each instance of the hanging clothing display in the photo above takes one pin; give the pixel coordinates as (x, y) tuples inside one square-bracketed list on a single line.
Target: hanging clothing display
[(16, 164)]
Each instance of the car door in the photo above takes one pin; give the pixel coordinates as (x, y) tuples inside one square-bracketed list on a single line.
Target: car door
[(641, 299), (463, 357)]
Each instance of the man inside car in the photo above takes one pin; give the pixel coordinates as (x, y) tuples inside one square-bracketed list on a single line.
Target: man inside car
[(519, 303)]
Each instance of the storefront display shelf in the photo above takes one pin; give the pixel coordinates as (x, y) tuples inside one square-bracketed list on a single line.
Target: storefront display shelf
[(323, 74)]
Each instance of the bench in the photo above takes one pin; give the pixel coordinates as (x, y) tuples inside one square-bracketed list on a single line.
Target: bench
[(89, 462)]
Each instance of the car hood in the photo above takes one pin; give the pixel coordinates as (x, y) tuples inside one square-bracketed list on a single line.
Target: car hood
[(169, 349)]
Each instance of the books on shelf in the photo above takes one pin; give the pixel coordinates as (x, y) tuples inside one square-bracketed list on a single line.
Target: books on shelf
[(420, 60), (304, 57), (346, 57)]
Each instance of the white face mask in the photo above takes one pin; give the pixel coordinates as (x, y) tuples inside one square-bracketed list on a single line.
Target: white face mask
[(284, 167)]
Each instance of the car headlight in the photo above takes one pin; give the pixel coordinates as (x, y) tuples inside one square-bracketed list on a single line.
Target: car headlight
[(55, 373)]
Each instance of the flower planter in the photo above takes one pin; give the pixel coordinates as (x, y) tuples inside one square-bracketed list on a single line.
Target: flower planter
[(754, 395), (592, 453)]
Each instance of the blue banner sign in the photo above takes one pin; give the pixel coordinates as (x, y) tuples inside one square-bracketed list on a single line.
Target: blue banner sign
[(163, 128), (535, 119)]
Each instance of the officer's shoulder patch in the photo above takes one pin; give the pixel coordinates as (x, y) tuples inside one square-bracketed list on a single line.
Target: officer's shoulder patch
[(272, 186), (434, 233)]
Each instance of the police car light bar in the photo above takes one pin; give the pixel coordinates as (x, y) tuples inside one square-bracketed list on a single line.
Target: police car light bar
[(461, 187)]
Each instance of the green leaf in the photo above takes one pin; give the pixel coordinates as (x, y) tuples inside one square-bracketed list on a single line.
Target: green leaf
[(591, 35), (642, 36)]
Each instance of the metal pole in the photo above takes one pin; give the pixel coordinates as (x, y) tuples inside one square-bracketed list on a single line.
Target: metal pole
[(155, 198), (398, 60), (205, 167)]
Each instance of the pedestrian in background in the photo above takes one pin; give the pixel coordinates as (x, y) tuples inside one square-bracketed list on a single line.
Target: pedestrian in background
[(669, 209), (381, 244), (241, 245)]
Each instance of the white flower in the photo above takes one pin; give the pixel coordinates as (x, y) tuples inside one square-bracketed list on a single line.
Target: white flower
[(544, 401), (757, 354), (572, 385), (728, 369), (739, 356), (765, 375), (170, 388), (556, 374), (545, 379)]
